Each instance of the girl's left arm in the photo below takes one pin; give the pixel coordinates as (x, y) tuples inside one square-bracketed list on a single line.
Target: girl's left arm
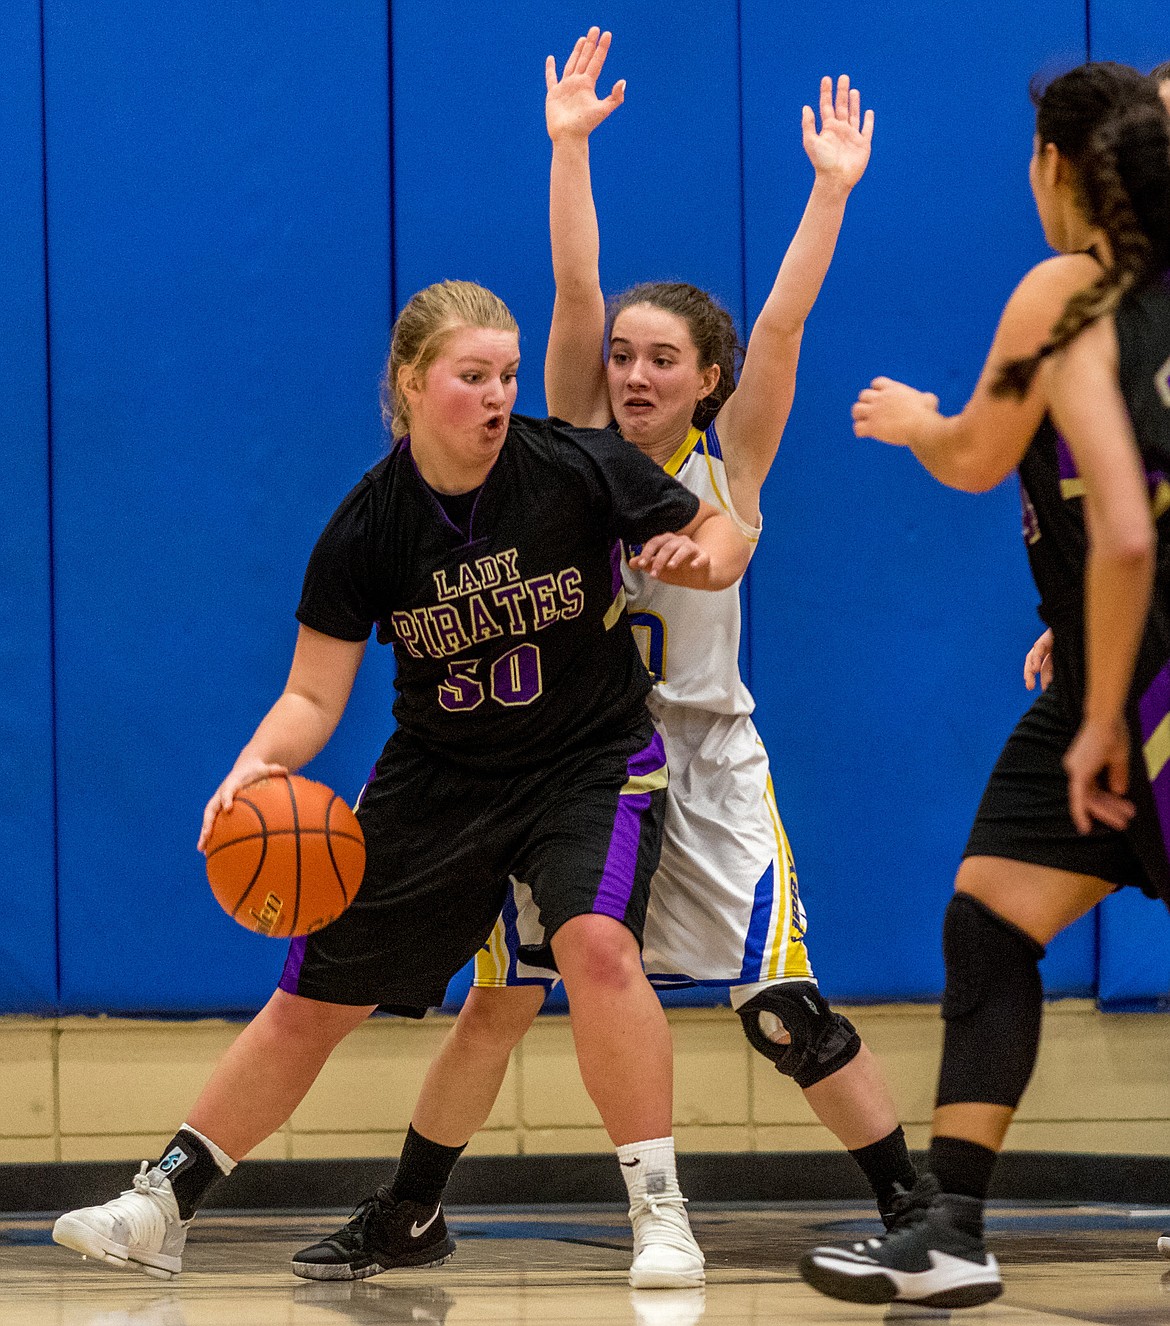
[(752, 420)]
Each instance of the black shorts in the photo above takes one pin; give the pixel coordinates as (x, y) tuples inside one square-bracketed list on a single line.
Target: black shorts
[(1024, 814), (583, 831)]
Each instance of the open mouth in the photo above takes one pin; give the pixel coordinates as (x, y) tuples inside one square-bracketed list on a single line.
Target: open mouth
[(638, 405), (495, 424)]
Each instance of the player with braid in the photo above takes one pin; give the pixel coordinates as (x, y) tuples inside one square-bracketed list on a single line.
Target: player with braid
[(1076, 394)]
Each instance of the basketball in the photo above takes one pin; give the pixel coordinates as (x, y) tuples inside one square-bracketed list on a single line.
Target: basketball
[(287, 858)]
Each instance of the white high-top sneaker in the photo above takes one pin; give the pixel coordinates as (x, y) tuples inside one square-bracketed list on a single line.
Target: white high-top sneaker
[(141, 1226), (666, 1255)]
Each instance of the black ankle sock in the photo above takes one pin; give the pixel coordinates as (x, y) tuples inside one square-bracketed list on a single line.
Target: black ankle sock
[(963, 1169), (886, 1163), (423, 1169), (192, 1170)]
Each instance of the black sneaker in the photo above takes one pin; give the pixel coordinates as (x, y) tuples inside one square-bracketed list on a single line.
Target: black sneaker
[(381, 1234), (925, 1258), (904, 1201)]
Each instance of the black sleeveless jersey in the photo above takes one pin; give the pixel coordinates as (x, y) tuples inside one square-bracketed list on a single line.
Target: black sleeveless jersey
[(511, 641), (1054, 529)]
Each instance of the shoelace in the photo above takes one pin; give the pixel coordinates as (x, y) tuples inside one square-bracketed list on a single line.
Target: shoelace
[(674, 1230), (143, 1218)]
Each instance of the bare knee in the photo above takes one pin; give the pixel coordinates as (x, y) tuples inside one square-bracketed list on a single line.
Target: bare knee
[(292, 1017), (599, 954), (496, 1018)]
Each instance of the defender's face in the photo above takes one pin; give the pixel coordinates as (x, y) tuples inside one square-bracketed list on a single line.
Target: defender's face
[(465, 401), (653, 371)]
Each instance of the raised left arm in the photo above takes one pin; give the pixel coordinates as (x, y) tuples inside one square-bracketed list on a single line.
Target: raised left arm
[(709, 553), (751, 422)]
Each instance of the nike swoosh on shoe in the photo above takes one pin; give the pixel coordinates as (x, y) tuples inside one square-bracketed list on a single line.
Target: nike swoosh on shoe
[(417, 1230)]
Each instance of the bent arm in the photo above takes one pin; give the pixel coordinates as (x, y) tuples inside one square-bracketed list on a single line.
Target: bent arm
[(977, 448), (709, 553), (1090, 412)]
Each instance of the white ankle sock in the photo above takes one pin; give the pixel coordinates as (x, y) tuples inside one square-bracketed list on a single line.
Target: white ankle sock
[(218, 1154), (648, 1167)]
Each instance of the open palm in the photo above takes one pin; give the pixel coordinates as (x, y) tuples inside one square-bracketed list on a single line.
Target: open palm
[(572, 106), (840, 151)]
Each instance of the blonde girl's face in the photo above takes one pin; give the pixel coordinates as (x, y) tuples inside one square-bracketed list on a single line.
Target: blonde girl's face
[(465, 399), (653, 372)]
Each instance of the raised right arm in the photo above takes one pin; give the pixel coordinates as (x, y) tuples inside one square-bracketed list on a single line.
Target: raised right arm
[(574, 370)]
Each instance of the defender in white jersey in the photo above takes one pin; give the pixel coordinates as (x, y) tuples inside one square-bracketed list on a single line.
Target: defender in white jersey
[(661, 366)]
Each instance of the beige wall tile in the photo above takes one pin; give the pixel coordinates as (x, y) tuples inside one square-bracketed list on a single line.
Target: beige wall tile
[(732, 1137), (126, 1077), (26, 1071), (27, 1150), (710, 1072), (795, 1137), (345, 1146), (134, 1148), (495, 1142), (373, 1078), (565, 1141), (1099, 1066), (1139, 1137), (552, 1094)]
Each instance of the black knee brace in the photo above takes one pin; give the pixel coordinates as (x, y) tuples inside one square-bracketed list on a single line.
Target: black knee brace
[(992, 1004), (822, 1041)]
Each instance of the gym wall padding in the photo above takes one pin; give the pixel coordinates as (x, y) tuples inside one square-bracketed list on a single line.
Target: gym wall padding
[(219, 278), (226, 247), (1133, 31), (471, 154), (28, 943), (893, 613)]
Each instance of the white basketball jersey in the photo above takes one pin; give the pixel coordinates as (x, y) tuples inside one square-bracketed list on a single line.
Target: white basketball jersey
[(690, 639)]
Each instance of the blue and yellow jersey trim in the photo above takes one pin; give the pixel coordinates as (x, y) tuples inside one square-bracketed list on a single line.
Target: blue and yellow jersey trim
[(706, 444)]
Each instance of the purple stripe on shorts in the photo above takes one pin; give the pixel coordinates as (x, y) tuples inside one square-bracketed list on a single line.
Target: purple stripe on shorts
[(1152, 709), (290, 978), (621, 860), (1064, 458)]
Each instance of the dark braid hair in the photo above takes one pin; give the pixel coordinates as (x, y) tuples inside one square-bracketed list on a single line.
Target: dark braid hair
[(711, 328), (1108, 121)]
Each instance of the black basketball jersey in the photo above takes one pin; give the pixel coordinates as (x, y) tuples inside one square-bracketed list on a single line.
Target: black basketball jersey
[(1054, 528), (511, 641)]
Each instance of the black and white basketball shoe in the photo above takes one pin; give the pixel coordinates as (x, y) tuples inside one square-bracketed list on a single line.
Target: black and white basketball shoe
[(381, 1234), (925, 1257)]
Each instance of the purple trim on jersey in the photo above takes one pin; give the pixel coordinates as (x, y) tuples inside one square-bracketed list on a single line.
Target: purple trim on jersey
[(290, 978), (1064, 459), (621, 860), (615, 565), (466, 535), (1152, 709)]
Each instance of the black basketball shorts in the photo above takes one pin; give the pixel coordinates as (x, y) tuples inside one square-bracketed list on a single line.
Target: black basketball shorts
[(1024, 814), (584, 831)]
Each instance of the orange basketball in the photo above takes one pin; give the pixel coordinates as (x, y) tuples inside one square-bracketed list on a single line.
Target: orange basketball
[(287, 858)]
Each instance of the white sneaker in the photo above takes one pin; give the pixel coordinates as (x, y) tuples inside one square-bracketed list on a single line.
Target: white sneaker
[(666, 1255), (141, 1226), (1164, 1244)]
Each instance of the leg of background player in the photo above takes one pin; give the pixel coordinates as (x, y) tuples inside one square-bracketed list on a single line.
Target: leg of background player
[(854, 1103), (465, 1077)]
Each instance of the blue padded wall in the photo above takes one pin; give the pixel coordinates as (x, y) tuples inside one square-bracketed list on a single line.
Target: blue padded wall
[(1135, 32), (1135, 934), (893, 614), (28, 949), (219, 275), (668, 201)]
